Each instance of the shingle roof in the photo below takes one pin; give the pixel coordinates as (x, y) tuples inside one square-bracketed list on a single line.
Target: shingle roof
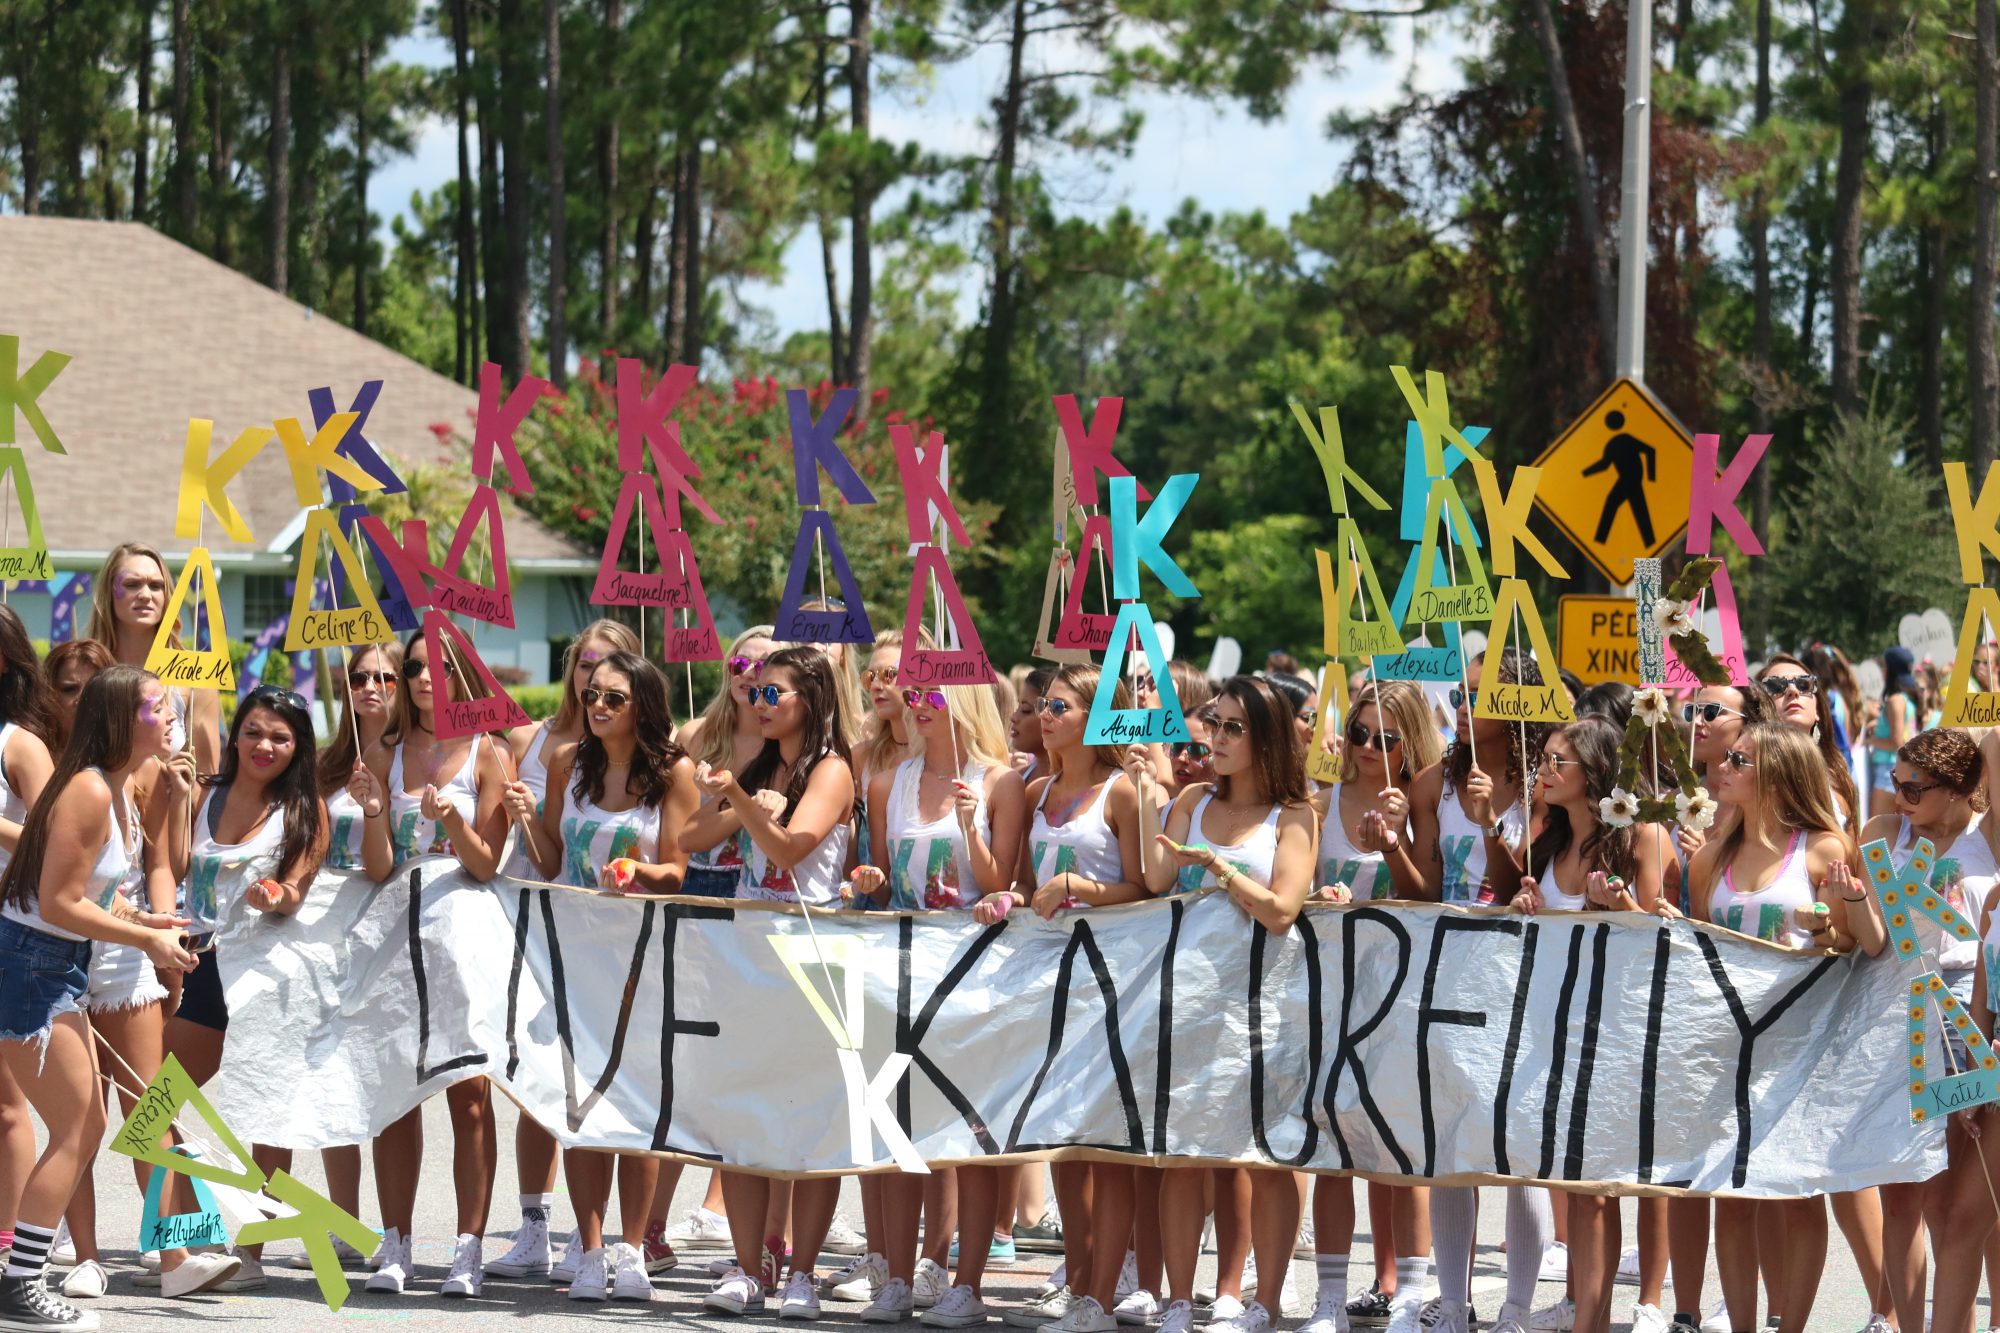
[(157, 334)]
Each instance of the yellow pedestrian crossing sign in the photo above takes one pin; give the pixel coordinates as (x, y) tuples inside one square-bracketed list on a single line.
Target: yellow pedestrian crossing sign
[(1617, 481)]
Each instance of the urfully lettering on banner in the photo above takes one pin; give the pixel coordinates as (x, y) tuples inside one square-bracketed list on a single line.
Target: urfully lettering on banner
[(1395, 1040), (816, 446)]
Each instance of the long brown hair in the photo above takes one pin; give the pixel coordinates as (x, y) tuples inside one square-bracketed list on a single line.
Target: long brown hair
[(1516, 668), (101, 739), (654, 752), (1597, 742), (103, 625), (1276, 751), (1790, 777), (622, 640), (813, 672), (1822, 739), (337, 760), (26, 699), (94, 655)]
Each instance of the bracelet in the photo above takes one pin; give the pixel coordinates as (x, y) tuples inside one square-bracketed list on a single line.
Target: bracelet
[(1854, 897)]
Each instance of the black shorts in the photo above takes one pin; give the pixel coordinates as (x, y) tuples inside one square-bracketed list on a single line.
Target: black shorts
[(202, 1001)]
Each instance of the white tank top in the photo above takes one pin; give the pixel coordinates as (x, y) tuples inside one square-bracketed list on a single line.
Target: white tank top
[(927, 863), (1767, 913), (1961, 875), (1366, 874), (1252, 857), (1554, 899), (1087, 845), (220, 872), (410, 834), (594, 836), (814, 881), (534, 773), (1462, 848), (12, 808), (117, 866)]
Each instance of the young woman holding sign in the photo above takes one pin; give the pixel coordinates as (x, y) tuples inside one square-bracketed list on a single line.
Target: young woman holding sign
[(127, 604), (1249, 833), (795, 801), (74, 850), (455, 809), (1795, 701), (625, 791), (1587, 864), (1083, 850), (945, 837), (726, 735), (1778, 871)]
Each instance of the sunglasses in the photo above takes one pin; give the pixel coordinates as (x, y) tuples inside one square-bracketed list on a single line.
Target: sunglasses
[(1914, 791), (1143, 682), (612, 699), (414, 667), (1706, 712), (361, 680), (1779, 686), (1234, 728), (1194, 750), (1309, 715), (1559, 762), (1361, 734), (745, 666), (1464, 698), (266, 694), (928, 698), (1055, 707), (869, 675), (1737, 760), (768, 695)]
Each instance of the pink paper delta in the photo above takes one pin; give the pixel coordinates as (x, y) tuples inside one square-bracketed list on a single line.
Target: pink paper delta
[(697, 640), (1090, 447), (663, 586), (464, 717), (966, 664), (452, 591), (1077, 627)]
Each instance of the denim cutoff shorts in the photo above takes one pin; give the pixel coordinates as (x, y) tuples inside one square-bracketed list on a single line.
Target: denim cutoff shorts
[(41, 976)]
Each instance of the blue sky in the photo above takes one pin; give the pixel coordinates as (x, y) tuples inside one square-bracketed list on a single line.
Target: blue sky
[(1213, 153)]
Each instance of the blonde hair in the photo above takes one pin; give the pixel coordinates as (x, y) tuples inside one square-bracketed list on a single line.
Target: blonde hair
[(337, 760), (103, 617), (1406, 707), (1082, 679), (982, 736), (619, 635), (878, 740), (1790, 778), (717, 739)]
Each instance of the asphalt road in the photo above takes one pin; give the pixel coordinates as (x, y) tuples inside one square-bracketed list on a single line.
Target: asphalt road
[(292, 1301)]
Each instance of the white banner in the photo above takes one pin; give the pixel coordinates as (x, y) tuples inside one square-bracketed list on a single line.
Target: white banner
[(1444, 1043)]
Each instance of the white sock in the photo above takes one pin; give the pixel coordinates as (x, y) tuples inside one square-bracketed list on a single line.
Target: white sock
[(1531, 1225), (1412, 1275), (1332, 1269), (1454, 1223), (535, 1207)]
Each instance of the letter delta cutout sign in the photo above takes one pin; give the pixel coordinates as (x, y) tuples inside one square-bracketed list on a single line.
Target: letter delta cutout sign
[(1060, 566), (465, 715), (452, 590), (1937, 1086), (30, 560), (814, 446), (1506, 528), (1136, 544), (1323, 758), (959, 658), (1977, 526), (193, 668), (363, 623)]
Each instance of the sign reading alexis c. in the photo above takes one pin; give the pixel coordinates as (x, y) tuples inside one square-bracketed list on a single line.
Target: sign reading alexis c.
[(1408, 1041)]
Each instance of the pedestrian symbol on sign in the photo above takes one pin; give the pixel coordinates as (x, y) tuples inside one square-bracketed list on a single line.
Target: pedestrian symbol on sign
[(1618, 481), (1628, 456)]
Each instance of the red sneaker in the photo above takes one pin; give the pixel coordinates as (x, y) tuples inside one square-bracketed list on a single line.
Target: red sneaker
[(771, 1271), (658, 1255)]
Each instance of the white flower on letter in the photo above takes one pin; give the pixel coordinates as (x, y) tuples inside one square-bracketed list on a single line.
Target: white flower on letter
[(1673, 617), (1697, 811), (1620, 809), (1650, 707)]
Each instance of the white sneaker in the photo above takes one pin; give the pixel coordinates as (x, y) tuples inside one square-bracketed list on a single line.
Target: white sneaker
[(1628, 1269), (249, 1276), (1141, 1307), (1718, 1319), (801, 1298), (894, 1302), (1652, 1319), (842, 1238), (199, 1272), (1128, 1277), (737, 1293), (1084, 1315), (565, 1272), (529, 1254), (1877, 1323), (463, 1280), (1513, 1319), (1555, 1263), (1329, 1312), (1303, 1248), (86, 1282), (1177, 1318), (1406, 1311), (1448, 1316), (1223, 1309), (393, 1265), (930, 1283), (857, 1281), (346, 1254), (1046, 1308), (1253, 1318), (957, 1308), (593, 1277), (62, 1251), (722, 1267), (1557, 1318), (700, 1229), (1058, 1277), (629, 1281)]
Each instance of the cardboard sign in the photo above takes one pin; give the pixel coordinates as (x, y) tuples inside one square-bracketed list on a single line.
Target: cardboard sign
[(30, 559), (1063, 501), (794, 624), (659, 587), (203, 481), (695, 641), (1598, 637), (1322, 764), (1421, 659), (354, 445), (1332, 453), (1432, 409), (1469, 598), (193, 668), (1507, 519), (815, 447), (363, 623), (452, 590), (1348, 634), (1081, 630), (1965, 705), (1726, 643), (1136, 541), (1045, 647), (643, 425), (1652, 639), (1619, 480), (1930, 637), (1090, 448), (464, 717), (1548, 702), (961, 658), (18, 392), (171, 1091), (494, 426), (395, 598), (926, 487), (404, 559), (307, 458), (315, 1220), (1111, 725), (1712, 498), (177, 1231)]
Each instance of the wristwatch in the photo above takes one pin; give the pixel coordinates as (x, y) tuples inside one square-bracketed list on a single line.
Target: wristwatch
[(1498, 830)]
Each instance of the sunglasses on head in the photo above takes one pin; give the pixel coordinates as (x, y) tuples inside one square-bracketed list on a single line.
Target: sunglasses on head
[(1706, 712), (1194, 750), (1360, 733), (277, 694), (1464, 698), (869, 675), (1055, 707), (1914, 791), (768, 695), (928, 698), (745, 666), (1738, 760), (1779, 686), (361, 680), (611, 699)]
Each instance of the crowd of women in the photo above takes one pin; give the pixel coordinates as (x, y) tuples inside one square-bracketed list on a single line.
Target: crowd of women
[(132, 824)]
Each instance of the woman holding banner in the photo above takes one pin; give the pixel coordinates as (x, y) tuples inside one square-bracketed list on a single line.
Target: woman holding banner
[(625, 791), (726, 735), (76, 847), (1779, 871), (946, 827), (1466, 826), (1083, 850), (1249, 833), (1593, 857), (795, 802), (455, 809), (127, 602)]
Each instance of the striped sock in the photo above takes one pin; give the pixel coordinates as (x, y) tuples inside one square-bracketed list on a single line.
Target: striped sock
[(30, 1255)]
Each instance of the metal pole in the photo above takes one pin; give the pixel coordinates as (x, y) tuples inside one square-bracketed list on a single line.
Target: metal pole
[(1637, 170)]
